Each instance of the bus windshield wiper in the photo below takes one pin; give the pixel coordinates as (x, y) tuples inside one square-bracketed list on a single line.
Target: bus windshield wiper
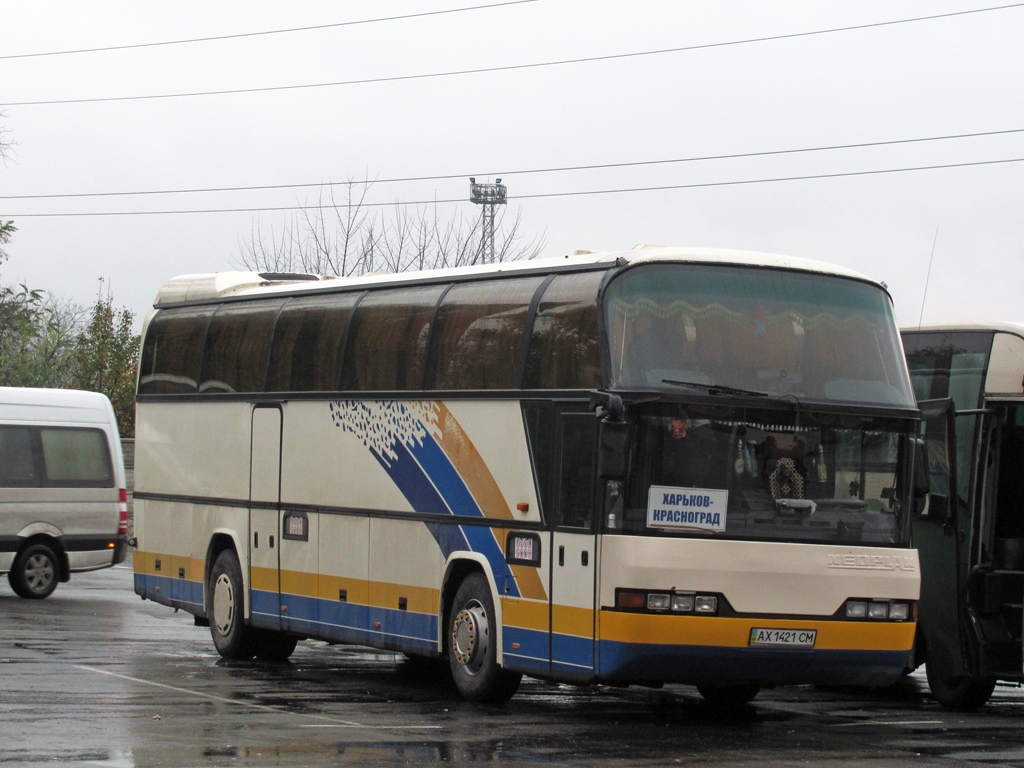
[(715, 389)]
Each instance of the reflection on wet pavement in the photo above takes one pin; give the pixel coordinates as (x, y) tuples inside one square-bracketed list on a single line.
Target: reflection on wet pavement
[(94, 676)]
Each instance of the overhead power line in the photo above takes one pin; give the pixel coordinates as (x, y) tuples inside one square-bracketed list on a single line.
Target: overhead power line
[(518, 172), (534, 196), (264, 33), (504, 68)]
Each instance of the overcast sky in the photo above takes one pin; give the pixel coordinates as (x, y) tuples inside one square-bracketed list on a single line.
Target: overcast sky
[(962, 74)]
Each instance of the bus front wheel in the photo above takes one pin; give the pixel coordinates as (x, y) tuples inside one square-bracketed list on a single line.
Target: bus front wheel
[(471, 645), (233, 639), (959, 693)]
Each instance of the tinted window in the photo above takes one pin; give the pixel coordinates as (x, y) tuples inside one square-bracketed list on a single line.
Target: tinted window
[(388, 341), (236, 347), (76, 457), (952, 365), (173, 351), (17, 463), (778, 331), (305, 356), (576, 500), (479, 335), (563, 345)]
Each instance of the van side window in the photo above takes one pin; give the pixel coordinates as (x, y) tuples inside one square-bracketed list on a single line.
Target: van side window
[(76, 457), (17, 464)]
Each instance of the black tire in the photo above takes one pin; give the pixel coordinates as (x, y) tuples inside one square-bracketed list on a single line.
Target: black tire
[(471, 645), (35, 572), (226, 601), (959, 693), (727, 696), (274, 646)]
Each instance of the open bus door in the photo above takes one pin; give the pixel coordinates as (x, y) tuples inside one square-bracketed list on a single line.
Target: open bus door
[(942, 530)]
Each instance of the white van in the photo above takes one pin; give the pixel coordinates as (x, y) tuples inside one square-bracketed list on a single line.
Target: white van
[(63, 497)]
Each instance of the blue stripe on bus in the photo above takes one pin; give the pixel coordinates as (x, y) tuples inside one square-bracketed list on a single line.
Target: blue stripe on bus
[(437, 466), (350, 622), (430, 484), (570, 653), (647, 662), (532, 653), (180, 592)]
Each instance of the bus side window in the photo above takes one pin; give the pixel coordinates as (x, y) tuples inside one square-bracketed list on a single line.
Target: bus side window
[(237, 344), (478, 335), (173, 351), (563, 345), (387, 346), (306, 352), (576, 489), (540, 431)]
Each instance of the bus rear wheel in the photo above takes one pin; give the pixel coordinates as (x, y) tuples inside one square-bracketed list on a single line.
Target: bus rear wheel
[(232, 638), (35, 573), (471, 645), (960, 693)]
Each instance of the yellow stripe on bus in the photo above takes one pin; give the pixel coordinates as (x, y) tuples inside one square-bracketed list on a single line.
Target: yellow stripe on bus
[(625, 627), (526, 614), (145, 563), (484, 488)]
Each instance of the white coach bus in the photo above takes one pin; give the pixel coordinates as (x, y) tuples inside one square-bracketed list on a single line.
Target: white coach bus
[(642, 467)]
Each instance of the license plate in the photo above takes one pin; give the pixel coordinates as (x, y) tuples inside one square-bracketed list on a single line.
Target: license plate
[(787, 638)]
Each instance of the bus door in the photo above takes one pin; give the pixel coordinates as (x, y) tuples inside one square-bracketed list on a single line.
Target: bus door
[(939, 540), (264, 503), (996, 580), (573, 551)]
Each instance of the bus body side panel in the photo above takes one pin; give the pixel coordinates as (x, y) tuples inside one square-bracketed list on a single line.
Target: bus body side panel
[(765, 585), (379, 576), (197, 455)]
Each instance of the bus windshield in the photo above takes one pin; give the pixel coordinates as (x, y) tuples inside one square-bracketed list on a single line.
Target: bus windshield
[(769, 475), (816, 337)]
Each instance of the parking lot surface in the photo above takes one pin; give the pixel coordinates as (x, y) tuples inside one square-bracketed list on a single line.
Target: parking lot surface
[(95, 676)]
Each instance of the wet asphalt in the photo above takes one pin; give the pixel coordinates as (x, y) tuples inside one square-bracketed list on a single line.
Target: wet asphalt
[(95, 676)]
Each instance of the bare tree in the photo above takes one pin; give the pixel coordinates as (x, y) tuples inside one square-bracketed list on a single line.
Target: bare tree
[(343, 235)]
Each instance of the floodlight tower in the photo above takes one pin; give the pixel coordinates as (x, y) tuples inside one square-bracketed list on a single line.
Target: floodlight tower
[(487, 196)]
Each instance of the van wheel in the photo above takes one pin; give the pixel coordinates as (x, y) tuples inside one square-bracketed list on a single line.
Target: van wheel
[(727, 696), (35, 573), (231, 636), (274, 646), (959, 693), (471, 645)]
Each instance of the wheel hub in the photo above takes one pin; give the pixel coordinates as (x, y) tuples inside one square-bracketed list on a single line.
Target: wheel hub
[(38, 573), (469, 637), (223, 604)]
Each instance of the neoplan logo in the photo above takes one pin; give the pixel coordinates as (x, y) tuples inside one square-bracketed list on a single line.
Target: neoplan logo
[(873, 562)]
